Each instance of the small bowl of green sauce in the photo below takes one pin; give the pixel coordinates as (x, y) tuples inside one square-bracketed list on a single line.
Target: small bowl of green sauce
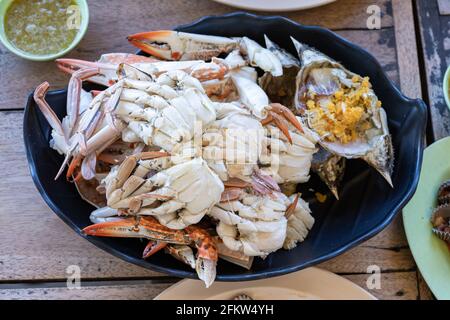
[(42, 30), (446, 87)]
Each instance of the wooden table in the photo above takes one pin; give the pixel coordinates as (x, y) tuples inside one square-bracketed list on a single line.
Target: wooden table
[(36, 247)]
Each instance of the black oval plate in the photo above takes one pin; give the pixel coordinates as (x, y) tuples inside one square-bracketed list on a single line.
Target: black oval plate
[(367, 203)]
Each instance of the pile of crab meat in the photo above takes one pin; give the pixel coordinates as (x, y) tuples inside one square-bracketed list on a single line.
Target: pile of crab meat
[(201, 155)]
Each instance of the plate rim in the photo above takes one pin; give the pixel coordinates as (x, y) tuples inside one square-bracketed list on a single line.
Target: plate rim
[(293, 7), (418, 150)]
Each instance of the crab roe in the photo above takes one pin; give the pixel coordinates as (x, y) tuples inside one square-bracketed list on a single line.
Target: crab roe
[(345, 115)]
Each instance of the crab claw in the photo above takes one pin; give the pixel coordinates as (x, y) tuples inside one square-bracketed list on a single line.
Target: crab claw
[(173, 45), (152, 248)]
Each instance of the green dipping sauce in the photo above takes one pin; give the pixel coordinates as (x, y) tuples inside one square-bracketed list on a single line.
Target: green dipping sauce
[(39, 27)]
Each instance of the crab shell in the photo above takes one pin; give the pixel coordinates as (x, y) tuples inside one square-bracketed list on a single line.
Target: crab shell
[(376, 149), (439, 218), (281, 89)]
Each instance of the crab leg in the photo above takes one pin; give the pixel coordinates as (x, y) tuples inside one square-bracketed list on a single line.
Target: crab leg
[(152, 248), (74, 95), (104, 214), (61, 134), (111, 65), (150, 228)]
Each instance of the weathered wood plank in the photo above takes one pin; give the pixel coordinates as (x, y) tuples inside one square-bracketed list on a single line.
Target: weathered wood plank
[(394, 286), (405, 40), (435, 36)]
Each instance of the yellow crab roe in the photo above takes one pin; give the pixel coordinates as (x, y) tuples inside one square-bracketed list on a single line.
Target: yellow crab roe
[(343, 119)]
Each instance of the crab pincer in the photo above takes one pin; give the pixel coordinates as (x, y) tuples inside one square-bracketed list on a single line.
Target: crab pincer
[(173, 45)]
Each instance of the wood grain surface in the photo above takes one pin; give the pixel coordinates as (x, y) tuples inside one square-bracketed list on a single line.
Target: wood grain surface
[(36, 247)]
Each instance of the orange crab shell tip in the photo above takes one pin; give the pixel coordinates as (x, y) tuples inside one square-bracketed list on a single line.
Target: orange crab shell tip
[(152, 248), (41, 90)]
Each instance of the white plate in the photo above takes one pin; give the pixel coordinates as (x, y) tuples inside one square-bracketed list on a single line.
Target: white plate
[(311, 283), (275, 5)]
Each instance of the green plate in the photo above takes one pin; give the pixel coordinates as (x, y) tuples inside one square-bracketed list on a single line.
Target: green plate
[(431, 254)]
